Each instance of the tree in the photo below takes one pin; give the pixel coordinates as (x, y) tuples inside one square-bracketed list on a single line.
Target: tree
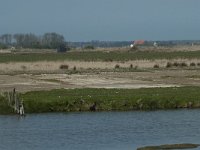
[(30, 40), (6, 39), (27, 40), (19, 39), (52, 40)]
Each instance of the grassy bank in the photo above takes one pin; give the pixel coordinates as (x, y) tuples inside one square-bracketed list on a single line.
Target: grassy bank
[(65, 100), (4, 108), (98, 56)]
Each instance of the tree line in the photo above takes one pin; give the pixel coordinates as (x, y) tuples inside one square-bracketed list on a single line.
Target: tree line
[(57, 41), (30, 40)]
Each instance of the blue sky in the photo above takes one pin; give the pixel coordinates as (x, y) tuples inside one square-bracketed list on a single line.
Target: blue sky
[(85, 20)]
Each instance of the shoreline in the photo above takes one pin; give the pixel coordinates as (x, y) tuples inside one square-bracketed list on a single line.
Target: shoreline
[(86, 100)]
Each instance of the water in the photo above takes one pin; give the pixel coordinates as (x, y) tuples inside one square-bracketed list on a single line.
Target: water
[(99, 131)]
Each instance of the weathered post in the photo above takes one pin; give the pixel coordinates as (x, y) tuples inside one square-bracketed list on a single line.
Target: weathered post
[(21, 108), (15, 101)]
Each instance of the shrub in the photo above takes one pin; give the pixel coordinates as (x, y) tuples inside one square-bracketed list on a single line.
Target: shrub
[(156, 66), (74, 68), (131, 66), (183, 64), (89, 47), (192, 64), (64, 66), (117, 66), (176, 64), (198, 64), (169, 65)]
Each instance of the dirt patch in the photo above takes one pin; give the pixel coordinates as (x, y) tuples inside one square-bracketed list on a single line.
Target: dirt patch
[(46, 75), (129, 80)]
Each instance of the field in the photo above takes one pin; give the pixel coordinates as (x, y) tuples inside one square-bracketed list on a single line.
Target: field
[(104, 71), (107, 56)]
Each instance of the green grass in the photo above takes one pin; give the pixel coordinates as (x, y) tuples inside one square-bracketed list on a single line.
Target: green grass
[(4, 108), (97, 56), (65, 100)]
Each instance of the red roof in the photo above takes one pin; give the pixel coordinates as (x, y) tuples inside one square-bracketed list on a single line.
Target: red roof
[(139, 42)]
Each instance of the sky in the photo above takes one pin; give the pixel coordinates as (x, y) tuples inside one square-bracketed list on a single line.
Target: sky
[(112, 20)]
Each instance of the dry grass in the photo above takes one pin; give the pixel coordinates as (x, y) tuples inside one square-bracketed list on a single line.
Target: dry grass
[(54, 66)]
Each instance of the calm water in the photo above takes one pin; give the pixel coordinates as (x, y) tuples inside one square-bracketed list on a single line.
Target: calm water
[(99, 131)]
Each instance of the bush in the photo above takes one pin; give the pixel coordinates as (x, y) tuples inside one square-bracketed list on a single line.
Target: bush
[(131, 66), (74, 68), (183, 64), (198, 64), (64, 66), (117, 66), (156, 66), (169, 65), (176, 64), (192, 64), (89, 47)]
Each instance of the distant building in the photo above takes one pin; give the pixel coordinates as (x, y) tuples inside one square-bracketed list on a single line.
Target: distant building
[(137, 42), (132, 45), (155, 44)]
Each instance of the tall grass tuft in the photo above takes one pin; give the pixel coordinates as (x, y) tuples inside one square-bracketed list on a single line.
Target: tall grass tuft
[(192, 64), (117, 66), (156, 66), (169, 65), (64, 66)]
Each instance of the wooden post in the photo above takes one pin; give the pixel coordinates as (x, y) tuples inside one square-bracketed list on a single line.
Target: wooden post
[(21, 109), (15, 100)]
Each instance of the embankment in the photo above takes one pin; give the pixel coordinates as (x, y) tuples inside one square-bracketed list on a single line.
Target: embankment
[(66, 100), (72, 100)]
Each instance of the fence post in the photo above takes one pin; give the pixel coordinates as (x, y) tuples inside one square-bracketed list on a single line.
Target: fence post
[(15, 102)]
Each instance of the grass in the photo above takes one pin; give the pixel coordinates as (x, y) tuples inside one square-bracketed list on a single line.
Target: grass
[(4, 108), (65, 100), (97, 56)]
